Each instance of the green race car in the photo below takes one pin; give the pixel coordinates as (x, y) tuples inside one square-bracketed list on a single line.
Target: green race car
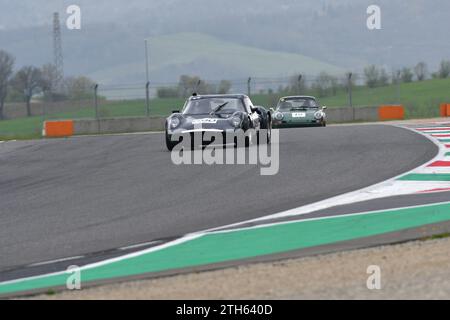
[(298, 111)]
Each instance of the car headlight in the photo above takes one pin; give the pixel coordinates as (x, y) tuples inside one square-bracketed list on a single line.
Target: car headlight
[(279, 116), (235, 121), (318, 115), (174, 122)]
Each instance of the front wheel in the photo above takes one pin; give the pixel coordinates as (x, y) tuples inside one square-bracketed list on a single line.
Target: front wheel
[(169, 143)]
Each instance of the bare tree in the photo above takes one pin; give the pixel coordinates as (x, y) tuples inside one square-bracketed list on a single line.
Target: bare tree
[(406, 75), (49, 78), (383, 79), (396, 76), (27, 80), (372, 74), (79, 87), (190, 84), (224, 87), (6, 69), (325, 82), (444, 69), (421, 71)]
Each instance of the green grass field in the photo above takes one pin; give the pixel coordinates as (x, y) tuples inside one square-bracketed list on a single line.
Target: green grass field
[(421, 99)]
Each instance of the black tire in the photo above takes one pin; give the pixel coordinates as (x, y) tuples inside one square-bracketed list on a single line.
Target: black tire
[(269, 132), (247, 142), (169, 143), (268, 139), (267, 125)]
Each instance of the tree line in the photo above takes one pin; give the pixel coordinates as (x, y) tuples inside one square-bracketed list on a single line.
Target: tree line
[(377, 76), (373, 76), (189, 84), (322, 85), (21, 85)]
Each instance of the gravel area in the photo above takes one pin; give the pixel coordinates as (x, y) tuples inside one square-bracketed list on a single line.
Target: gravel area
[(414, 270)]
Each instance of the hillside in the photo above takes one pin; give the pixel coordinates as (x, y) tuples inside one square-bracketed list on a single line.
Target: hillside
[(210, 58)]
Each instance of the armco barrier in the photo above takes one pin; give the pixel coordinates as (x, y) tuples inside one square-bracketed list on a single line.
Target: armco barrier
[(58, 128), (348, 114), (143, 124), (391, 112), (118, 125)]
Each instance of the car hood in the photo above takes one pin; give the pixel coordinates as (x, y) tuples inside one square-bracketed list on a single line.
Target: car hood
[(204, 121)]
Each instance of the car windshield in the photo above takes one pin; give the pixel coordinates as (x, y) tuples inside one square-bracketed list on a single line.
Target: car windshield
[(213, 105), (301, 103)]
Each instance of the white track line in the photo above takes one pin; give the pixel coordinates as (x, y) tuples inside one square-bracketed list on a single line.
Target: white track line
[(435, 128), (108, 261), (328, 217), (140, 245), (437, 170), (447, 131), (54, 261)]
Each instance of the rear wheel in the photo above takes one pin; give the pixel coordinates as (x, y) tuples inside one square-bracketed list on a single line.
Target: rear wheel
[(268, 132), (267, 126)]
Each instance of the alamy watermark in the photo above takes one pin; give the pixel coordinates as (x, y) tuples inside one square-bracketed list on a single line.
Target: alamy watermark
[(374, 280), (73, 21), (374, 19), (73, 281), (214, 147)]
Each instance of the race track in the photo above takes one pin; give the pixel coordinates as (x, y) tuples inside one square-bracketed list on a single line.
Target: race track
[(68, 197)]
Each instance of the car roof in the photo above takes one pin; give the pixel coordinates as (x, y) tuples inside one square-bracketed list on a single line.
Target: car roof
[(298, 97), (209, 96)]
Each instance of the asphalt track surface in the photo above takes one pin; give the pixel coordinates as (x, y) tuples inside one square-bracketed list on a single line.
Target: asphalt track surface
[(68, 197)]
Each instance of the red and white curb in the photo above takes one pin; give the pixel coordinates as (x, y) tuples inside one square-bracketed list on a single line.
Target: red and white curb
[(388, 188)]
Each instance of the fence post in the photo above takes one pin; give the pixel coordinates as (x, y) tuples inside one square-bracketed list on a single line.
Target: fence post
[(249, 86), (299, 84), (350, 98), (197, 86), (44, 107), (96, 101), (147, 97)]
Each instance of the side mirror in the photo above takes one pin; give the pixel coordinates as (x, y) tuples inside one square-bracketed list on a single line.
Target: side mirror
[(254, 109), (324, 107), (176, 111)]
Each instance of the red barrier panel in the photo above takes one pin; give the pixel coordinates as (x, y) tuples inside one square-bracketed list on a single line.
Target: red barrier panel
[(443, 110), (58, 128), (396, 112)]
